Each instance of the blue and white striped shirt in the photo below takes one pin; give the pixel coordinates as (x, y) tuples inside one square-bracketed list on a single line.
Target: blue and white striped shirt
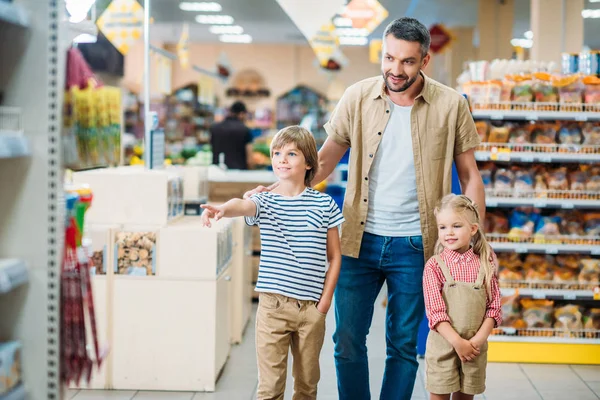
[(293, 235)]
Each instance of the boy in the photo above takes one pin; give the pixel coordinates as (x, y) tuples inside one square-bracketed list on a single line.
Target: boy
[(299, 234)]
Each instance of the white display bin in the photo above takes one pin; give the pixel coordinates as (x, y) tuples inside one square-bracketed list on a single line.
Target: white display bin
[(133, 195), (195, 181), (170, 334), (241, 279), (189, 250)]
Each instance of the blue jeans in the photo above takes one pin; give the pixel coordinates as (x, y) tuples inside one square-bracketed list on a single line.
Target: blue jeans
[(399, 261)]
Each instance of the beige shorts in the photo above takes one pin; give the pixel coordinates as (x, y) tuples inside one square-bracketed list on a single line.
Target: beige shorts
[(445, 373)]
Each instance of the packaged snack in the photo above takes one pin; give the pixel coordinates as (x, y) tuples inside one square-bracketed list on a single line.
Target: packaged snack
[(493, 91), (522, 91), (570, 92), (562, 275), (511, 261), (504, 179), (577, 180), (524, 182), (486, 172), (592, 320), (593, 183), (570, 134), (510, 309), (567, 261), (498, 223), (508, 85), (571, 224), (590, 270), (591, 133), (10, 366), (548, 226), (538, 261), (498, 134), (519, 133), (483, 129), (522, 224), (543, 133), (537, 313), (557, 179), (568, 318), (591, 92), (543, 89), (506, 274), (540, 183), (539, 275), (591, 224)]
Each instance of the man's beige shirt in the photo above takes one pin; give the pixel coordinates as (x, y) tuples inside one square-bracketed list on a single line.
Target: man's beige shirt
[(441, 128)]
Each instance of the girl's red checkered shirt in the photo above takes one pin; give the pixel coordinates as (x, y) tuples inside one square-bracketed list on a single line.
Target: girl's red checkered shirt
[(463, 268)]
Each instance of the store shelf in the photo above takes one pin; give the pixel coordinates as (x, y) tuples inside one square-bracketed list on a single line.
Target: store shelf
[(545, 335), (553, 294), (17, 393), (566, 199), (536, 111), (13, 273), (542, 153), (548, 244), (13, 14)]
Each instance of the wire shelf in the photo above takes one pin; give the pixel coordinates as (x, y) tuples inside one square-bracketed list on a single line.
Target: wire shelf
[(547, 333), (540, 239), (543, 194), (539, 148), (588, 287)]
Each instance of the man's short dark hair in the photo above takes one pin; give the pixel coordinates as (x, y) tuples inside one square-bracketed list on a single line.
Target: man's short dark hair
[(237, 108), (410, 30)]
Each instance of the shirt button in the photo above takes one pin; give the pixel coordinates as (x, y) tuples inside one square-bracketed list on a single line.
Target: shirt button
[(365, 200), (387, 111), (362, 223), (371, 155), (379, 133), (366, 178)]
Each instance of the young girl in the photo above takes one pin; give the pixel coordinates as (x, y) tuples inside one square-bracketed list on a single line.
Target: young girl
[(462, 301), (299, 234)]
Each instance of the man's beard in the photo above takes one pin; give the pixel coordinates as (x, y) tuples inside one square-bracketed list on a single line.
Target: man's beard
[(404, 87)]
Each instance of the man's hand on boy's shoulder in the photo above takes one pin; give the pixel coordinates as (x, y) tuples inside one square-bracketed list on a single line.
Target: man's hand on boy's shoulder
[(260, 189), (210, 212)]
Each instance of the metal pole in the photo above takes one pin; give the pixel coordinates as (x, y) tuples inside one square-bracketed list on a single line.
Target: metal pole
[(147, 132)]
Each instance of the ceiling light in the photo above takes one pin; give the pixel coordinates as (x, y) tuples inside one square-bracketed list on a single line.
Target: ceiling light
[(226, 29), (342, 22), (200, 6), (214, 19), (590, 13), (354, 40), (524, 43), (351, 32), (528, 35), (235, 38), (78, 9)]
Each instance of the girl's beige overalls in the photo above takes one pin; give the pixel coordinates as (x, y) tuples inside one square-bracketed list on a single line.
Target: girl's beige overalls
[(466, 305)]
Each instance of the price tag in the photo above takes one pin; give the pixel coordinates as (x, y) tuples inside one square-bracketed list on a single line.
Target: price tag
[(568, 206), (510, 331), (538, 295), (531, 117), (491, 203), (540, 204), (521, 249), (528, 159), (552, 250), (581, 117), (597, 293), (570, 296), (596, 251), (545, 159), (496, 116)]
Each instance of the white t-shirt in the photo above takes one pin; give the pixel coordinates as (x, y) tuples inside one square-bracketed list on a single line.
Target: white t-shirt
[(393, 203)]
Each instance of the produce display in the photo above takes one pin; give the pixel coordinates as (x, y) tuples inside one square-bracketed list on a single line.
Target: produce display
[(135, 253), (566, 271)]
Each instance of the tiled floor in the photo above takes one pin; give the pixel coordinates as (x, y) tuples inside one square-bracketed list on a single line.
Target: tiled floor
[(504, 381)]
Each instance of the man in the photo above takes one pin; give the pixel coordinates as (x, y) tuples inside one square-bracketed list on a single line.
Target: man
[(233, 139), (405, 130)]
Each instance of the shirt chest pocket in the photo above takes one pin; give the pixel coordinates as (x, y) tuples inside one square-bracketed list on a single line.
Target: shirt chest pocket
[(314, 219), (437, 143)]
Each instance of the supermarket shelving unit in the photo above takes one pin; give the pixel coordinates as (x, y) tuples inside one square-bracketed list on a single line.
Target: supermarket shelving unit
[(543, 345), (31, 199)]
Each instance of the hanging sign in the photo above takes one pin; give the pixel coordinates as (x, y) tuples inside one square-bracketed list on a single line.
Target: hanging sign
[(375, 46), (122, 23), (440, 38), (310, 15), (365, 14), (324, 43), (183, 47)]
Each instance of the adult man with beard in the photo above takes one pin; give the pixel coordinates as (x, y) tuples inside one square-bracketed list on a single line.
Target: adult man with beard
[(405, 130)]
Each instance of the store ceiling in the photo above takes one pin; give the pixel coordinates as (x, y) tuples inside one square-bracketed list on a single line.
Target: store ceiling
[(266, 22)]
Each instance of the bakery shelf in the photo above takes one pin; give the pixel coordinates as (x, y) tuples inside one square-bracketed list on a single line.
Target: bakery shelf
[(546, 335), (18, 393), (548, 244), (536, 111), (13, 273), (13, 14), (566, 199), (552, 293), (532, 152)]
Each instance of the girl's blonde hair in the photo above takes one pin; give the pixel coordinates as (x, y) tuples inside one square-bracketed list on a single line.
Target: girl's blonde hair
[(467, 208), (305, 142)]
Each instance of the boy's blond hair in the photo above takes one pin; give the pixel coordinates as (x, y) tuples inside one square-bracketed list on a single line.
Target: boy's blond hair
[(305, 142)]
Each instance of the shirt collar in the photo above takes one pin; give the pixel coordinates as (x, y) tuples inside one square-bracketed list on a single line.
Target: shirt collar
[(455, 256), (379, 89)]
